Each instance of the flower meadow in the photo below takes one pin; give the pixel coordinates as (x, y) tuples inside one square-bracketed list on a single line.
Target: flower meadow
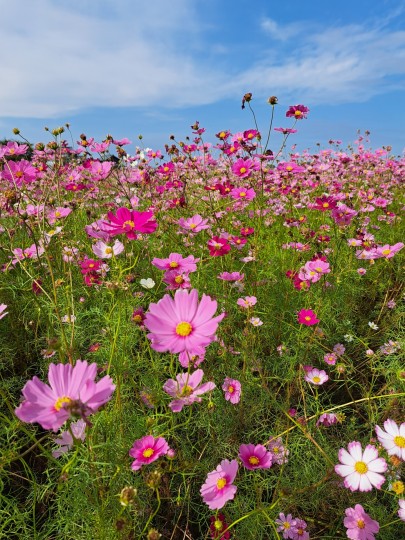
[(203, 341)]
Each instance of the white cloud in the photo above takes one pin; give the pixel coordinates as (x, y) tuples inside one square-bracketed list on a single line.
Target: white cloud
[(65, 56)]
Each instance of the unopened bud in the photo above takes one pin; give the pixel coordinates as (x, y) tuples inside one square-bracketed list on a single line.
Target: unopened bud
[(16, 131), (273, 100)]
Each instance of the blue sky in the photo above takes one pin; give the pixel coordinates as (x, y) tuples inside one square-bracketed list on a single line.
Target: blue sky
[(127, 67)]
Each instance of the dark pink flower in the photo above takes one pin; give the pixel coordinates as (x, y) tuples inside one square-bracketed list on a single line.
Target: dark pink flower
[(255, 457), (218, 246), (129, 222), (72, 390), (307, 317), (297, 111), (147, 450), (232, 389)]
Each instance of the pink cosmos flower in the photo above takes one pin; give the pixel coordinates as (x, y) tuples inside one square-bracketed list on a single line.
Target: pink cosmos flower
[(244, 168), (195, 358), (3, 308), (182, 323), (72, 391), (300, 532), (58, 213), (129, 222), (175, 261), (218, 488), (388, 251), (316, 376), (245, 194), (401, 511), (66, 441), (393, 438), (232, 389), (327, 419), (194, 224), (297, 111), (286, 525), (307, 317), (218, 246), (255, 457), (285, 131), (330, 358), (147, 450), (105, 251), (176, 280), (359, 524), (186, 389), (247, 302), (231, 276), (361, 470), (277, 450), (18, 172)]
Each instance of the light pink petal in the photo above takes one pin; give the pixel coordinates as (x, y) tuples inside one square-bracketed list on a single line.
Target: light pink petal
[(376, 479), (346, 458), (206, 387), (352, 481), (365, 484), (355, 450), (370, 453)]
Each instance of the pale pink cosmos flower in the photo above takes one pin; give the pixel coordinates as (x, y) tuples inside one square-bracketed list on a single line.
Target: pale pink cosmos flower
[(393, 438), (327, 419), (278, 451), (218, 488), (105, 251), (401, 511), (286, 525), (3, 311), (194, 358), (194, 224), (72, 391), (232, 389), (359, 524), (388, 251), (231, 276), (175, 261), (315, 376), (247, 302), (255, 456), (361, 470), (58, 213), (66, 441), (186, 389), (182, 323), (146, 450)]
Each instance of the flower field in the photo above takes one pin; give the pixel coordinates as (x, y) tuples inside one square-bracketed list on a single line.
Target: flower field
[(202, 341)]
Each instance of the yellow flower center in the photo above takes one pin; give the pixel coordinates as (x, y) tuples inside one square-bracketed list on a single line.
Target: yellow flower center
[(221, 483), (297, 113), (148, 452), (57, 213), (275, 450), (253, 460), (361, 467), (19, 174), (325, 205), (399, 441), (193, 225), (316, 379), (187, 390), (231, 389), (11, 151), (386, 251), (242, 170), (307, 318), (218, 525), (173, 264), (137, 318), (61, 401), (286, 525), (179, 279), (129, 223), (184, 329), (360, 524), (398, 487), (242, 193), (222, 134), (108, 250), (289, 168)]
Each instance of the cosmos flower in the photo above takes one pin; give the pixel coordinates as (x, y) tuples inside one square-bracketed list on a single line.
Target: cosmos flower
[(146, 450), (361, 470), (232, 389), (393, 438), (187, 389), (359, 524), (255, 457), (218, 488)]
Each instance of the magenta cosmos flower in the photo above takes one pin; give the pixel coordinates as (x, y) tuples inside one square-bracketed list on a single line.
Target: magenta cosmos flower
[(359, 524), (72, 390), (361, 470), (255, 457), (147, 450), (218, 488), (175, 261), (232, 389), (307, 317), (218, 246), (297, 111), (186, 389), (183, 323), (129, 222), (393, 438)]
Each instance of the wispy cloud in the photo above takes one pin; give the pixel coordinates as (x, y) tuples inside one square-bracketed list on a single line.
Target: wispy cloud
[(61, 60)]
